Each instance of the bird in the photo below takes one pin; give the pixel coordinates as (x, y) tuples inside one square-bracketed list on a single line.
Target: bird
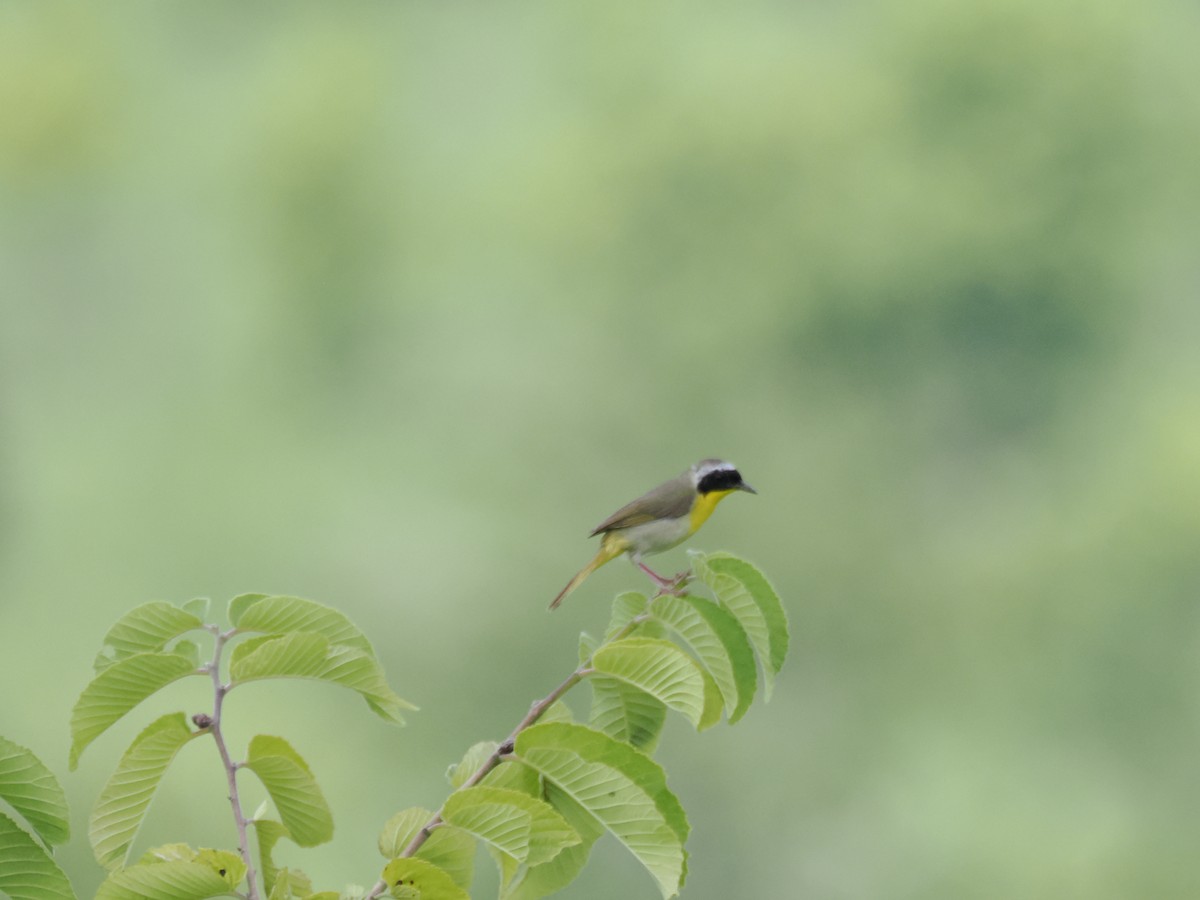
[(662, 518)]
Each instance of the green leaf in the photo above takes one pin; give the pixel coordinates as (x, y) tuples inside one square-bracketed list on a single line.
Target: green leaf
[(188, 650), (269, 833), (626, 713), (418, 878), (198, 607), (515, 776), (626, 607), (548, 877), (176, 852), (225, 863), (144, 629), (620, 787), (118, 689), (746, 593), (524, 827), (306, 655), (557, 712), (123, 802), (290, 883), (720, 642), (660, 669), (714, 703), (450, 849), (175, 880), (239, 604), (293, 789), (282, 615), (33, 791), (453, 851), (460, 773), (26, 870), (400, 829)]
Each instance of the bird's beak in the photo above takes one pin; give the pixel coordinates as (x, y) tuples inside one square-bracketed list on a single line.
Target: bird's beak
[(745, 487)]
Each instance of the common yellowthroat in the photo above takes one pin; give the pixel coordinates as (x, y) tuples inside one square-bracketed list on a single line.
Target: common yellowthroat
[(662, 518)]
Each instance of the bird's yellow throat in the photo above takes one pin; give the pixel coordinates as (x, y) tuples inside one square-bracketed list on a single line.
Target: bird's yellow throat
[(703, 507)]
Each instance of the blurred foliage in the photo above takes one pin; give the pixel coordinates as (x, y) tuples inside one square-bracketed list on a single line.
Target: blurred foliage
[(381, 304)]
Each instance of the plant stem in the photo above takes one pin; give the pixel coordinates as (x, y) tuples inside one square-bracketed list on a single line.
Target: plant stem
[(506, 747), (219, 692)]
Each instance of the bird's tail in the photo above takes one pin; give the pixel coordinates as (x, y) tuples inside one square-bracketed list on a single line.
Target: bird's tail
[(608, 551)]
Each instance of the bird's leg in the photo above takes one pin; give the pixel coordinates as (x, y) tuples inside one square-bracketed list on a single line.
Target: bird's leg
[(666, 585)]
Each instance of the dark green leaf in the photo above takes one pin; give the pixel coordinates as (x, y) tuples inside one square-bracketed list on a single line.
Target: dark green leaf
[(746, 593)]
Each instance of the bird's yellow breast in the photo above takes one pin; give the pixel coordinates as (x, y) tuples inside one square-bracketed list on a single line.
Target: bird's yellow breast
[(703, 507)]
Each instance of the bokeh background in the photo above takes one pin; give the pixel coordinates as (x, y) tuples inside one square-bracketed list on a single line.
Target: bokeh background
[(387, 305)]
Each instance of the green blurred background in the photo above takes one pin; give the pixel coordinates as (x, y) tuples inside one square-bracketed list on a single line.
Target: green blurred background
[(388, 305)]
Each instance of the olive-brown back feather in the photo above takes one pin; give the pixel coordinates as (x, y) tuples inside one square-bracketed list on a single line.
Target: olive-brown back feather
[(670, 500)]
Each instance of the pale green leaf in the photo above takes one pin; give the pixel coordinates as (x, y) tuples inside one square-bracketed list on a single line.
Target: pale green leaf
[(515, 776), (587, 646), (746, 593), (269, 833), (118, 689), (189, 650), (281, 615), (523, 827), (453, 851), (176, 880), (557, 711), (33, 791), (177, 852), (418, 878), (626, 607), (145, 629), (226, 863), (288, 780), (626, 713), (535, 881), (290, 883), (307, 655), (719, 641), (620, 787), (26, 870), (448, 848), (400, 829), (657, 667), (239, 604), (123, 802), (472, 761), (198, 607)]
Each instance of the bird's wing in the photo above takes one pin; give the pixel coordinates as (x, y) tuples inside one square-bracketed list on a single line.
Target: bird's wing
[(670, 500)]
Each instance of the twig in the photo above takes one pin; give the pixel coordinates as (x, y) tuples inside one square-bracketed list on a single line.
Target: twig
[(214, 727), (505, 749)]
